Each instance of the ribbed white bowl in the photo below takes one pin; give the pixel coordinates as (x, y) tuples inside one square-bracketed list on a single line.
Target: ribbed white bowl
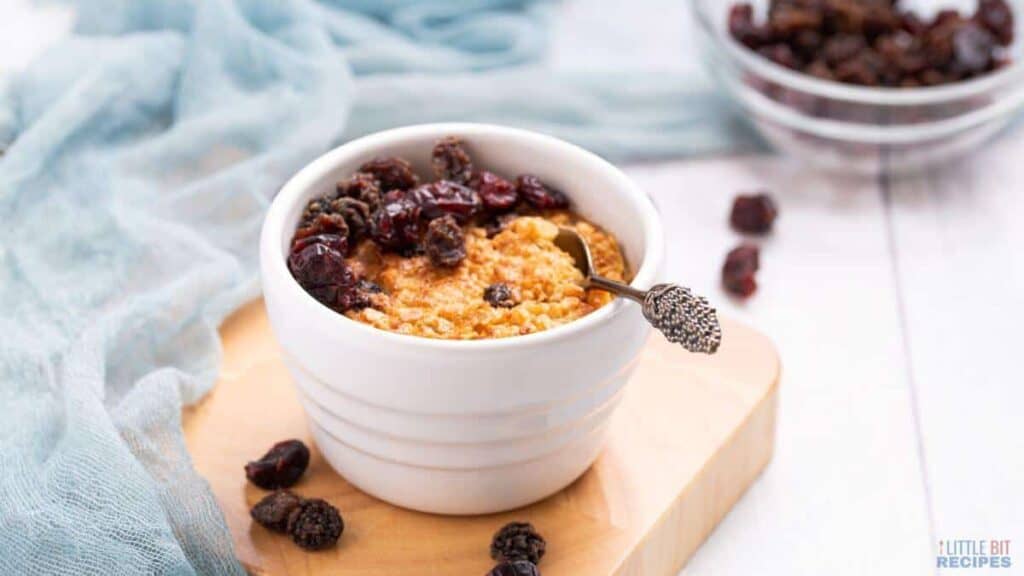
[(463, 427)]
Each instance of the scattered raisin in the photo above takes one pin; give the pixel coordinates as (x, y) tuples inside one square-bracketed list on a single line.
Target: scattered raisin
[(273, 510), (445, 243), (280, 467), (753, 214), (315, 524), (446, 197), (515, 568), (500, 295), (738, 271), (451, 161), (518, 541), (496, 193), (396, 225), (538, 195), (391, 173)]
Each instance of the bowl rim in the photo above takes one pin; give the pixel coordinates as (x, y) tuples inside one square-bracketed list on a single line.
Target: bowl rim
[(883, 96), (273, 261)]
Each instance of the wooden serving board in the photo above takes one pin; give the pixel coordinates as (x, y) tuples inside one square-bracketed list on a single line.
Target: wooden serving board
[(692, 433)]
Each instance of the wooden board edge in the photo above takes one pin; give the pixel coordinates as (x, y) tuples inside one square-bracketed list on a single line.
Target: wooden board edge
[(680, 530)]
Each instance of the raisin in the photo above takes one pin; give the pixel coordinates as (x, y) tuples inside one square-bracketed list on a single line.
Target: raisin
[(319, 267), (396, 225), (357, 217), (335, 214), (842, 47), (738, 271), (972, 49), (451, 161), (538, 195), (315, 524), (912, 24), (322, 223), (324, 274), (790, 21), (875, 42), (496, 193), (500, 295), (280, 467), (332, 241), (753, 214), (445, 243), (518, 541), (515, 568), (273, 510), (497, 223), (807, 43), (363, 187), (369, 287), (781, 54), (391, 173), (819, 69), (445, 197), (863, 69), (743, 29), (996, 16)]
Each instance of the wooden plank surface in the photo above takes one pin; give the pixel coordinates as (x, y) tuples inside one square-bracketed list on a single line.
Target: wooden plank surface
[(691, 434), (844, 493), (958, 237)]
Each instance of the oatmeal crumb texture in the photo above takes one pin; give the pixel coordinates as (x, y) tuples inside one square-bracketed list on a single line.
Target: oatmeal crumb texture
[(424, 300)]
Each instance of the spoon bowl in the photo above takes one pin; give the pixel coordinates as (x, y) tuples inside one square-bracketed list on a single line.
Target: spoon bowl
[(682, 316)]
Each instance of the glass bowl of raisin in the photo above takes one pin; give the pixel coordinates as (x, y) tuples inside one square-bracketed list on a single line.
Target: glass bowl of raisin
[(868, 85)]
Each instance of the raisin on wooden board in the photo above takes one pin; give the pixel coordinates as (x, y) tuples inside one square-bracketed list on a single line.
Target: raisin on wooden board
[(280, 467)]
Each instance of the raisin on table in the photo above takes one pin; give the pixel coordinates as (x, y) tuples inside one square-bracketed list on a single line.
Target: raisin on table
[(738, 271), (753, 214)]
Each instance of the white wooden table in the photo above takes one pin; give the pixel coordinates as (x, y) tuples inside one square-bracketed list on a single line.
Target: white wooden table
[(897, 306)]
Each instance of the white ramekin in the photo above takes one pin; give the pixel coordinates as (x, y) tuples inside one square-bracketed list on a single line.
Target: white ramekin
[(462, 427)]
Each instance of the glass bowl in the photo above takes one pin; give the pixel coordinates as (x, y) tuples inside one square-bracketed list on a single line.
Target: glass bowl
[(861, 129)]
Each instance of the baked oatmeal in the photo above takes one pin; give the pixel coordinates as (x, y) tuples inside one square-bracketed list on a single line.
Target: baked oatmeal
[(469, 256)]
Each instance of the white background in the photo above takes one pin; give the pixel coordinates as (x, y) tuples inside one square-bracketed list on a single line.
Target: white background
[(897, 305)]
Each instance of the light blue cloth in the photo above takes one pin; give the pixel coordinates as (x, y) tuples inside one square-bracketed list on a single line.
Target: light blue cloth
[(140, 157)]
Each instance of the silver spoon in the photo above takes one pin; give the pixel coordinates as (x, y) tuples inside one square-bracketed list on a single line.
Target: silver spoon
[(682, 316)]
